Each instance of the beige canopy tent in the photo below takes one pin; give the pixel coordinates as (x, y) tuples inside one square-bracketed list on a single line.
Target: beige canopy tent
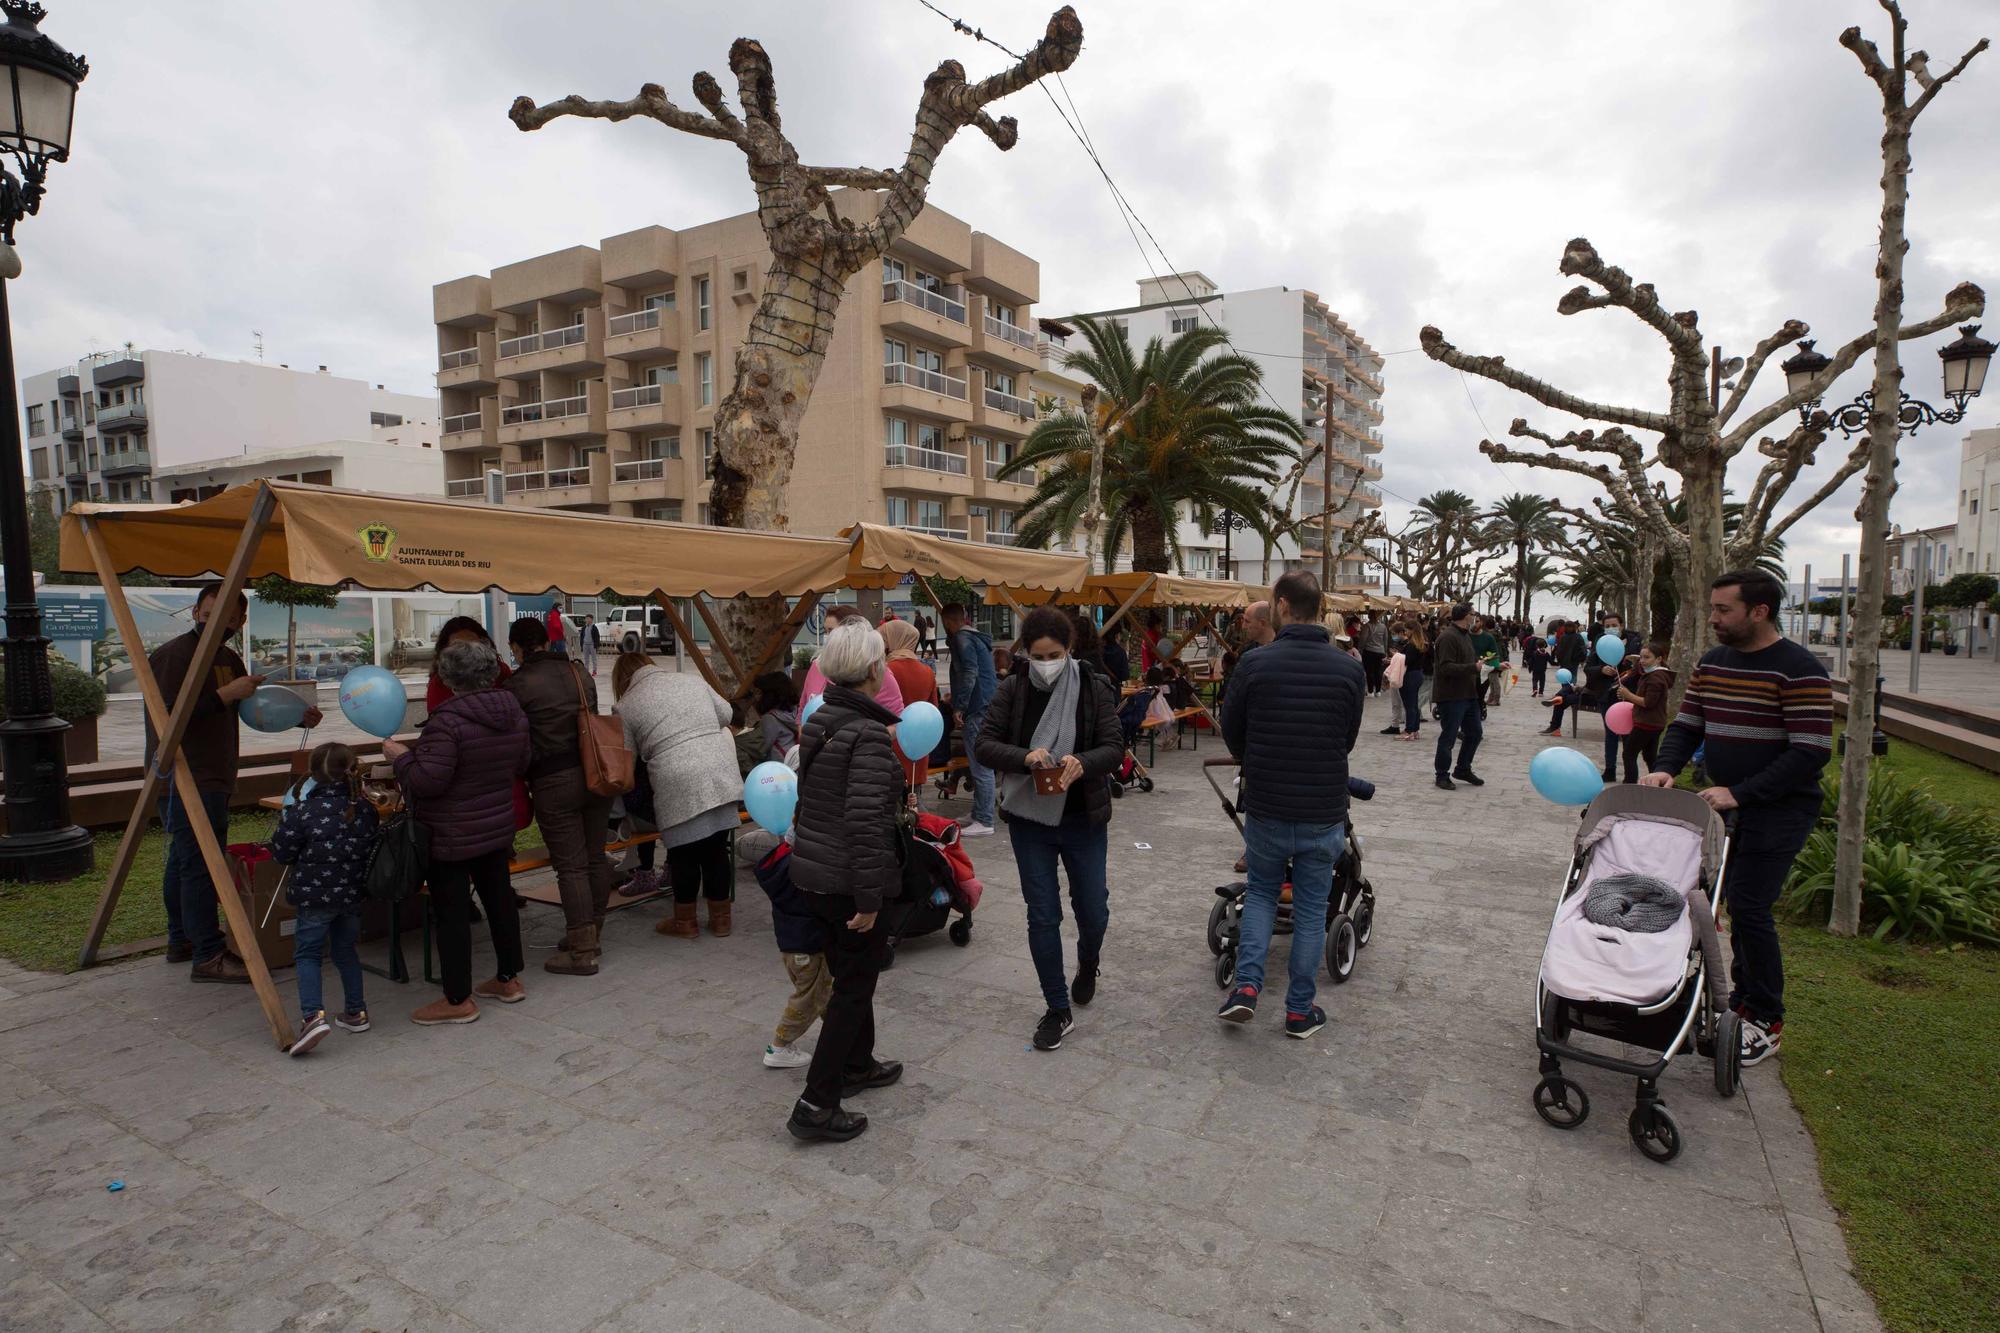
[(318, 534), (1139, 590)]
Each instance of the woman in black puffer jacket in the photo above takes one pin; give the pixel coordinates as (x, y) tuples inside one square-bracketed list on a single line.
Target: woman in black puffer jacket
[(847, 857)]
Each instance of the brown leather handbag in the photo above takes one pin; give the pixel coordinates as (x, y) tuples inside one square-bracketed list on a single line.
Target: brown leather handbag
[(607, 760)]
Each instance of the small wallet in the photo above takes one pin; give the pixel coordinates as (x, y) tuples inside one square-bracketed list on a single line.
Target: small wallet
[(1048, 781)]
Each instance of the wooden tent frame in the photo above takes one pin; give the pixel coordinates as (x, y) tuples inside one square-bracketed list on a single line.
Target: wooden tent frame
[(170, 723)]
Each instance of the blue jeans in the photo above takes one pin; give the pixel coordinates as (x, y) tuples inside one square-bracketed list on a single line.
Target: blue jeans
[(1458, 717), (319, 927), (1311, 849), (1080, 846), (982, 776), (186, 886), (1413, 684)]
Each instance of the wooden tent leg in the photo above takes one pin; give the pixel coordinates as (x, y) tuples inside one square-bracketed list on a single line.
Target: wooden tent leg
[(694, 649), (1129, 603), (171, 728), (721, 641), (778, 641)]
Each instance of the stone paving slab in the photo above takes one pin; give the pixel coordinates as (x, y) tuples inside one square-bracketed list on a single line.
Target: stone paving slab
[(611, 1154)]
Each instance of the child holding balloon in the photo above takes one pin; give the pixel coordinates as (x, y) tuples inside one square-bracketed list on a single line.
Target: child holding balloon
[(327, 836), (1646, 688)]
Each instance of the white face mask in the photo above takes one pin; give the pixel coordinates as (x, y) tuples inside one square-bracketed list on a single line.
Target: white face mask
[(1045, 674)]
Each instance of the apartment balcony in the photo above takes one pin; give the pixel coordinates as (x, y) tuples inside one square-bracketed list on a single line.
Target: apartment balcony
[(126, 463), (469, 367), (642, 336), (956, 534), (937, 317), (647, 479), (77, 473), (555, 418), (999, 538), (929, 393), (905, 467), (579, 486), (125, 370), (1024, 477), (466, 488), (1003, 413), (1008, 345), (121, 416), (644, 407), (67, 386), (72, 428), (478, 429), (571, 347)]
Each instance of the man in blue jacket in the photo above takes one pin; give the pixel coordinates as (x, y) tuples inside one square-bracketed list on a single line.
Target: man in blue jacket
[(973, 683), (1292, 715)]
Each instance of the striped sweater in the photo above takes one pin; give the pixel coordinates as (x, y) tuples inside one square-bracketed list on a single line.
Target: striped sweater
[(1765, 720)]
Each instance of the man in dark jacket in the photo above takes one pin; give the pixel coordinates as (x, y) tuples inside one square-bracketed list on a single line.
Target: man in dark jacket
[(1291, 718), (573, 819), (1456, 691), (973, 682)]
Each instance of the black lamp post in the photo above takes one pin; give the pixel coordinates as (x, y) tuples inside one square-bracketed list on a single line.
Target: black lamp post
[(1965, 362), (1228, 523), (38, 82)]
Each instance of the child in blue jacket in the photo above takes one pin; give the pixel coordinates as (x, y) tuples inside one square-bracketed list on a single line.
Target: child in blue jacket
[(327, 836), (802, 942)]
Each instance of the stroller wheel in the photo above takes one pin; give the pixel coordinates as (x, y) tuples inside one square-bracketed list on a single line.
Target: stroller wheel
[(1340, 947), (960, 931), (1728, 1052), (1217, 915), (1225, 968), (1654, 1132), (1561, 1102), (1364, 915), (1117, 789), (889, 956), (1145, 784)]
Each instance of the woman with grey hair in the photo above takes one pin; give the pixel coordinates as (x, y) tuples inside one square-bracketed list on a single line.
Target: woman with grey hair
[(459, 781), (847, 860)]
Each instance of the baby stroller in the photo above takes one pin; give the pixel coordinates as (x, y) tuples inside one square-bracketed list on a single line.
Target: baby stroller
[(1350, 908), (1131, 717), (1660, 989), (938, 879)]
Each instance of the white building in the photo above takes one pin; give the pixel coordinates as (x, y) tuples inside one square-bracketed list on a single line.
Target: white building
[(1306, 352), (1932, 550), (397, 460), (104, 428), (1979, 503)]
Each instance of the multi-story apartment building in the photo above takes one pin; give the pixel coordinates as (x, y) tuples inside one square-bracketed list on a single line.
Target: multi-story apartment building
[(1314, 364), (590, 377), (104, 428), (1979, 503)]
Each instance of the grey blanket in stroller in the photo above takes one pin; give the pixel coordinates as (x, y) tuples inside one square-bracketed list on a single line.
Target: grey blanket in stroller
[(1638, 903)]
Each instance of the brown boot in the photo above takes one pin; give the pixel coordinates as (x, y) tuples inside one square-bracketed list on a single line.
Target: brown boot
[(578, 956), (718, 917), (682, 924)]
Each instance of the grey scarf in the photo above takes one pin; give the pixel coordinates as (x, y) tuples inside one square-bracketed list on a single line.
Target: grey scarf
[(1638, 903), (1056, 733)]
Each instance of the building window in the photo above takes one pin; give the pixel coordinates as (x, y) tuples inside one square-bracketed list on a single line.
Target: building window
[(1183, 321), (657, 301), (663, 446), (668, 374), (894, 352), (384, 419), (899, 512), (1003, 313), (1975, 509), (704, 369), (35, 424), (931, 438), (1003, 382), (707, 438), (668, 513), (923, 358), (893, 270), (930, 513), (703, 314), (895, 432), (702, 512)]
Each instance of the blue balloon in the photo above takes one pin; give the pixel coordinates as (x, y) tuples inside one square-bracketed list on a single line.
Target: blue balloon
[(1563, 677), (373, 700), (1565, 776), (304, 790), (812, 706), (272, 708), (920, 730), (1611, 649), (771, 794)]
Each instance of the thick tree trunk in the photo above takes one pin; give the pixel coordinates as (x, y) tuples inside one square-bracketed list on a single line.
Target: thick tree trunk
[(1864, 661), (1701, 490), (1149, 543)]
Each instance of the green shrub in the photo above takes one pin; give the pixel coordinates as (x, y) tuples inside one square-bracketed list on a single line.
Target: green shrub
[(78, 694), (802, 657)]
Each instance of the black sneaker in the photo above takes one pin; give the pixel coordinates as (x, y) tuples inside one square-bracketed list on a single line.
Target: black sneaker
[(808, 1122), (1240, 1007), (881, 1075), (1084, 989), (1609, 776), (1446, 784), (1055, 1025), (1302, 1026), (1391, 731), (1469, 778)]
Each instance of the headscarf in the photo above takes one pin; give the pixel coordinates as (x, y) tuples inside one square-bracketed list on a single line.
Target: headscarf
[(900, 638)]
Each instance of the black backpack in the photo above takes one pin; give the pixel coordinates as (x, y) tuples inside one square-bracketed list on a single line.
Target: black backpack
[(401, 859)]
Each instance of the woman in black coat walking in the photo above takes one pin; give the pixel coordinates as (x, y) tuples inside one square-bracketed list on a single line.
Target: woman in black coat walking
[(847, 854)]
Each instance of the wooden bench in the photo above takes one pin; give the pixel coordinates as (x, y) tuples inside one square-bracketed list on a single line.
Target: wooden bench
[(1182, 717)]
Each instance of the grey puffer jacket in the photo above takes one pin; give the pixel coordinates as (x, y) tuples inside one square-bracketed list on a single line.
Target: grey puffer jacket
[(459, 776), (845, 835), (675, 726)]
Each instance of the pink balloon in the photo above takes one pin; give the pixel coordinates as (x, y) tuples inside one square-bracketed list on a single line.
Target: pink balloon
[(1618, 719)]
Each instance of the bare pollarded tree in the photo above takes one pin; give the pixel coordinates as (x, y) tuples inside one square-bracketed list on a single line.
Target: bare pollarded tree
[(815, 249)]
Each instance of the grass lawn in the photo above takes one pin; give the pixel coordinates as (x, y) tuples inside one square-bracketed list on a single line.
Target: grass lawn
[(1890, 1053), (1952, 781), (42, 925)]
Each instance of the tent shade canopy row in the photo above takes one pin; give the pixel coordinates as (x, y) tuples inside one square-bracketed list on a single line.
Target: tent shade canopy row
[(1137, 591)]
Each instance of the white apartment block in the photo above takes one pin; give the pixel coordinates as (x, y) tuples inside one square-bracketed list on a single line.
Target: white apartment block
[(1979, 503), (1307, 353), (116, 424)]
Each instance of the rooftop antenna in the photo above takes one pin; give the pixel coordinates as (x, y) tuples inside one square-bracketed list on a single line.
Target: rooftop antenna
[(258, 334)]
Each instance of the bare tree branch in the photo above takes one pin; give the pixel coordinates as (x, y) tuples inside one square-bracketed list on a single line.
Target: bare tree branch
[(859, 178), (1580, 259), (1932, 86), (651, 102), (1496, 369), (1853, 463), (1871, 59), (1793, 330)]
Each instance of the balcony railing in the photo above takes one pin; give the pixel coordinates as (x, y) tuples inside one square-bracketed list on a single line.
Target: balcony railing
[(566, 336), (902, 372), (460, 487), (960, 534), (641, 395), (1013, 333), (634, 322), (464, 356), (554, 409), (1007, 402), (568, 476), (999, 538), (936, 460), (107, 416), (639, 469), (527, 481), (461, 423), (923, 298), (1025, 477)]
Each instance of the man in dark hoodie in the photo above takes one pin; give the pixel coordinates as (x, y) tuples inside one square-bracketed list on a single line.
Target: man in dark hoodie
[(973, 684)]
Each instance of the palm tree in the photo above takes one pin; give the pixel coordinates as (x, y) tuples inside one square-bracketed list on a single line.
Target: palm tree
[(1531, 575), (1524, 521), (1207, 441), (1450, 540)]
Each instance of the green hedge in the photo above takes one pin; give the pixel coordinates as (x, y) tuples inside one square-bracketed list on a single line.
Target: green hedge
[(78, 694)]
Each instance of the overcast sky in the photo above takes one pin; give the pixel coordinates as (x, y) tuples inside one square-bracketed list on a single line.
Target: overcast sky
[(310, 171)]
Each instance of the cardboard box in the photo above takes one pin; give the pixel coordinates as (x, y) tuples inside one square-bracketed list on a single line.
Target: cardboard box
[(273, 925)]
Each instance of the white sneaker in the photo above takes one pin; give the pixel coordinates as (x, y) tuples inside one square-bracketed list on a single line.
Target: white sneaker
[(786, 1057), (972, 828), (1760, 1042)]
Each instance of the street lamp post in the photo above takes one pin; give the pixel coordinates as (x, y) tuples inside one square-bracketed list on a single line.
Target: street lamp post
[(1964, 363), (38, 81), (1229, 522)]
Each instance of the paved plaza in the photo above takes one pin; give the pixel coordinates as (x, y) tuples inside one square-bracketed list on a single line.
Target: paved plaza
[(611, 1154)]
